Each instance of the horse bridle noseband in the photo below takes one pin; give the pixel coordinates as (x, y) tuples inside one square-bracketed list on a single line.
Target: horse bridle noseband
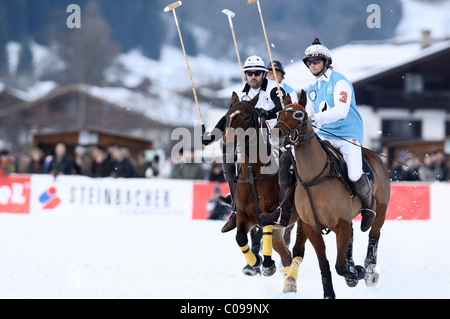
[(294, 134)]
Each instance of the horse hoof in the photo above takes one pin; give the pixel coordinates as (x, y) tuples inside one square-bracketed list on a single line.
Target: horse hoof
[(251, 271), (269, 271), (290, 285), (352, 278), (372, 277), (352, 283), (361, 272)]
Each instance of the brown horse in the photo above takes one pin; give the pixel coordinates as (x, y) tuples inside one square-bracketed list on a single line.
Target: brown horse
[(256, 180), (323, 202)]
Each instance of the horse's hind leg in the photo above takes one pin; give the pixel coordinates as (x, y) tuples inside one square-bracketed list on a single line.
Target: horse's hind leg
[(372, 277)]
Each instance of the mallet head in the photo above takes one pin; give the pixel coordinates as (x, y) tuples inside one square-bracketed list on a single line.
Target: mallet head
[(229, 13), (172, 6)]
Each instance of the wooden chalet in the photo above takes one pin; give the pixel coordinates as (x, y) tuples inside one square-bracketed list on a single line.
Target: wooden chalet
[(73, 116), (411, 102)]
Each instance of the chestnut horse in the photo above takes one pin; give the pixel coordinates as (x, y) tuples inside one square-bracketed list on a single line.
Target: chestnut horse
[(323, 202), (257, 189)]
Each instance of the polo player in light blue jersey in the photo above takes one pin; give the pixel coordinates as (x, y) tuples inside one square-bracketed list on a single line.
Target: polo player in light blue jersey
[(331, 105)]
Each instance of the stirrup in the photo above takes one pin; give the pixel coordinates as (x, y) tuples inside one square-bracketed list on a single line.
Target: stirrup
[(267, 217)]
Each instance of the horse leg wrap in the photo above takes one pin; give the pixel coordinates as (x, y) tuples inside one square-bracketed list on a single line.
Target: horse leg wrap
[(249, 256), (293, 270), (267, 240)]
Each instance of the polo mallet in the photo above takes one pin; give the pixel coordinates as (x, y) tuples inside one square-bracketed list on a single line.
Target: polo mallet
[(171, 7), (231, 15), (280, 95)]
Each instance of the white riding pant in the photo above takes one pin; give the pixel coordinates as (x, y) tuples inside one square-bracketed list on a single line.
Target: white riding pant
[(351, 151)]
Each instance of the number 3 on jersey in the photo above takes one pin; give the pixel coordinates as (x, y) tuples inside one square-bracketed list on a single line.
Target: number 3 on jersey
[(343, 98)]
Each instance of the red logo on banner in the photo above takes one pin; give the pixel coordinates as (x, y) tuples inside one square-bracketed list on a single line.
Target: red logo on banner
[(49, 198), (15, 194)]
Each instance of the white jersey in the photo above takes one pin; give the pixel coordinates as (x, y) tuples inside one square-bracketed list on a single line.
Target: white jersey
[(268, 96)]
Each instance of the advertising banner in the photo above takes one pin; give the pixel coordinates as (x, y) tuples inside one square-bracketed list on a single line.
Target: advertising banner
[(23, 194), (80, 194)]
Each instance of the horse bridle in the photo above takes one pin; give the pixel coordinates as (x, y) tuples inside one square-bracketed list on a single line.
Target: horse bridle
[(254, 121), (295, 135), (252, 178), (305, 137)]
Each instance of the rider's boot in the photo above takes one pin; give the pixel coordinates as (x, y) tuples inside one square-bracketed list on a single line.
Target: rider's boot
[(229, 172), (363, 188), (282, 215)]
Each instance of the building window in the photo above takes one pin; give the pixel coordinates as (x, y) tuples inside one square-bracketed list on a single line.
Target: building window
[(395, 130), (413, 83)]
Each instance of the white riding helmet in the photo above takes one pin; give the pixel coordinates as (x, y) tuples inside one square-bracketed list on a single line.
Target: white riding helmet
[(254, 63), (317, 50)]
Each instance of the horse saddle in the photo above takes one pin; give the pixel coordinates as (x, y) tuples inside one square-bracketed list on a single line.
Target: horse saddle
[(339, 166)]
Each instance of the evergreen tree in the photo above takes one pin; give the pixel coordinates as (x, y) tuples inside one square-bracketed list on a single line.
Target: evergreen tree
[(87, 51), (25, 66), (17, 18), (3, 40)]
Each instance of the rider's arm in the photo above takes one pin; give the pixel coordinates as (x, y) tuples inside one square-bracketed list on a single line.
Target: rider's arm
[(274, 96), (342, 97), (208, 137)]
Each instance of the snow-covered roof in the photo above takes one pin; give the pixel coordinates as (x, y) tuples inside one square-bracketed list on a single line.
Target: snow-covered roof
[(34, 92), (423, 15), (167, 108)]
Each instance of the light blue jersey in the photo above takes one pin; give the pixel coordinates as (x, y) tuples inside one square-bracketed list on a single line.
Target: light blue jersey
[(350, 126)]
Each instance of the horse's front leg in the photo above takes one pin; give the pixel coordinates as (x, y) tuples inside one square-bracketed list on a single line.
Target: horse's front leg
[(291, 272), (242, 240), (345, 265), (316, 239), (269, 267), (255, 236)]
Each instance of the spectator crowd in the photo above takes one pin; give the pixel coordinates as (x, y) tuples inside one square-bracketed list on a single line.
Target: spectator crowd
[(114, 161), (421, 167)]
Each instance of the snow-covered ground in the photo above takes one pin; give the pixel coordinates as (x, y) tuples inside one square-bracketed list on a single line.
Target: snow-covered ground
[(128, 256)]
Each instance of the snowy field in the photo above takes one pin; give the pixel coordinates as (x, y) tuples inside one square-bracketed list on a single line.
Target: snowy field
[(126, 256)]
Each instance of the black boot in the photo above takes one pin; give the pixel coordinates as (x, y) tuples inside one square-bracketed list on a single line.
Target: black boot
[(230, 224), (229, 172), (282, 215), (363, 188)]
